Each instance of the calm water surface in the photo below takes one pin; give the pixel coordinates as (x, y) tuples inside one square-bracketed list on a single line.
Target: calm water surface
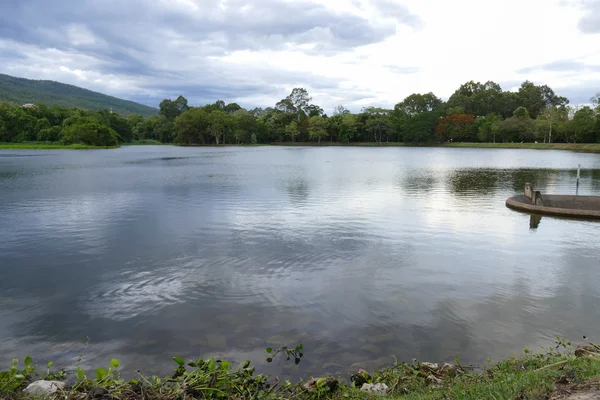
[(358, 253)]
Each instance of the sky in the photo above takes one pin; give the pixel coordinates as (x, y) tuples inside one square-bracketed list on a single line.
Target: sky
[(355, 53)]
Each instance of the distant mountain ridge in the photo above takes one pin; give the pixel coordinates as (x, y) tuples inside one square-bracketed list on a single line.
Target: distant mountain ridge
[(51, 93)]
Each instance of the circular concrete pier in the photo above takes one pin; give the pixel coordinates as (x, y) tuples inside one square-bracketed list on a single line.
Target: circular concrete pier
[(587, 207)]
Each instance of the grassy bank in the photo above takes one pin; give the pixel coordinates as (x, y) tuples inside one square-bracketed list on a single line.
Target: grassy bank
[(50, 146), (584, 147), (146, 142), (539, 376)]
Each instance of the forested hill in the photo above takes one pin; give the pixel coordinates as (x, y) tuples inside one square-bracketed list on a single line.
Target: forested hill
[(22, 91)]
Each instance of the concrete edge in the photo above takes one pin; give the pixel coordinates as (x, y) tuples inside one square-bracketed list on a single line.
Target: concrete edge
[(515, 204)]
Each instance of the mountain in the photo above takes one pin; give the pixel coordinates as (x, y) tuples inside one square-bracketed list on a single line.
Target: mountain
[(23, 91)]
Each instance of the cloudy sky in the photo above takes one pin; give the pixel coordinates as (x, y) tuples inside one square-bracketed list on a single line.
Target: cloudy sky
[(351, 52)]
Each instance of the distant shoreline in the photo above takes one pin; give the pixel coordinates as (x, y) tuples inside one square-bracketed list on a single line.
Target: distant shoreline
[(50, 146), (581, 147)]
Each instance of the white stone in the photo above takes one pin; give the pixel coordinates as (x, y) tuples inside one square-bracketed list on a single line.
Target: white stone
[(431, 366), (380, 389), (44, 388)]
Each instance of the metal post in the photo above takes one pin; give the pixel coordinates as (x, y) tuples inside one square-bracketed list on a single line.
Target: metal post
[(578, 178)]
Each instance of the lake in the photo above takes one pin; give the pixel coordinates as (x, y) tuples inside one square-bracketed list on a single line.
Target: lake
[(360, 254)]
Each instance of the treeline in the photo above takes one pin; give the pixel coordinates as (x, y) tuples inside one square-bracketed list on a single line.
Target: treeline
[(476, 112)]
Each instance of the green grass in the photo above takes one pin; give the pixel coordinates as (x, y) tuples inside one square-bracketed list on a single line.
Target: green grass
[(50, 146), (534, 376), (146, 142)]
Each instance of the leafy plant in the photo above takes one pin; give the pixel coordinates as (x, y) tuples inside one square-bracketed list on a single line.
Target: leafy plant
[(289, 353)]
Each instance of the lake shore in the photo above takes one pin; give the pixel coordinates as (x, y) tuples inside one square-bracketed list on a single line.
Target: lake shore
[(580, 147), (554, 374), (583, 147), (50, 146)]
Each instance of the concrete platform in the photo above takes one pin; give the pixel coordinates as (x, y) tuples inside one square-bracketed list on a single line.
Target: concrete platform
[(587, 207)]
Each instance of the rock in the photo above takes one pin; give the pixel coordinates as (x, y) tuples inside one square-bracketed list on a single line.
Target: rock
[(434, 379), (380, 389), (430, 366), (44, 388), (311, 385), (360, 378), (449, 369), (97, 393)]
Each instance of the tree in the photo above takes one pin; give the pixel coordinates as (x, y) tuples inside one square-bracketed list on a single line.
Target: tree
[(488, 126), (191, 127), (340, 110), (317, 128), (477, 98), (551, 115), (536, 98), (171, 109), (584, 126), (218, 124), (296, 102), (348, 127), (232, 107), (314, 111), (244, 125), (291, 130), (456, 127), (377, 122), (521, 112), (87, 130), (419, 103)]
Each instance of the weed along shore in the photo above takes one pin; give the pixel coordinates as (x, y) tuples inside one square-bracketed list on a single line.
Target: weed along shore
[(560, 372)]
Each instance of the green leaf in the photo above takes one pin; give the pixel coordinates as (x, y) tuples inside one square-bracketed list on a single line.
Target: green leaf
[(269, 360), (269, 350), (19, 377), (211, 364), (101, 374), (179, 361), (300, 346), (50, 364), (193, 364), (246, 364), (28, 360), (225, 365), (80, 374), (115, 363)]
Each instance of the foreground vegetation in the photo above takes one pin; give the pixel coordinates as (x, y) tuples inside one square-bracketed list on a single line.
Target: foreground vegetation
[(533, 376), (475, 113)]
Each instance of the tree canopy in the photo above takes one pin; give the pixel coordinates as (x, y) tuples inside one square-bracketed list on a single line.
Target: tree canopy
[(474, 112)]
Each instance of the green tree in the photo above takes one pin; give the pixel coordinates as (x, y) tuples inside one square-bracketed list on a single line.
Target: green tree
[(296, 102), (584, 126), (348, 128), (291, 130), (171, 109), (191, 127), (219, 122), (317, 128), (87, 130), (419, 103)]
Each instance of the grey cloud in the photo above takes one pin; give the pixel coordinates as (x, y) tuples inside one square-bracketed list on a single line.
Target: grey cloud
[(150, 50), (556, 66), (580, 94), (397, 10), (590, 22)]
